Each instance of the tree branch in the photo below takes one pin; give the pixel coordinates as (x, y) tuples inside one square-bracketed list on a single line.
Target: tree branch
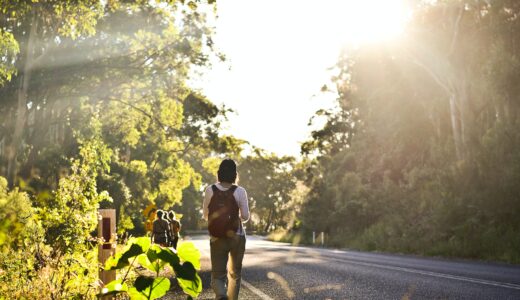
[(456, 31)]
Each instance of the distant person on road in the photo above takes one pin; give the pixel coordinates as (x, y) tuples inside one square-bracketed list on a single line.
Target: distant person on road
[(226, 207), (161, 230), (175, 228)]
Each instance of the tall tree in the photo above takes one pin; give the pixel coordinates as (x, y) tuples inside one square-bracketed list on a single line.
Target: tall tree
[(269, 183), (425, 167), (124, 63), (35, 29)]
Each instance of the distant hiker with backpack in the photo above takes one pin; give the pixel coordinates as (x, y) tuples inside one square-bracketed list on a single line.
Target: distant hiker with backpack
[(161, 230), (226, 207), (175, 228)]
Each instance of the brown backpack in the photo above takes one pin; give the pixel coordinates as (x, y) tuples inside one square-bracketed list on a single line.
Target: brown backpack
[(223, 220)]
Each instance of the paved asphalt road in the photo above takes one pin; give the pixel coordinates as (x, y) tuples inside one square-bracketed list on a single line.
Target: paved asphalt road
[(280, 271)]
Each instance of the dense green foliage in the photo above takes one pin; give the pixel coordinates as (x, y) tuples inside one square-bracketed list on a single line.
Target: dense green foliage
[(95, 112), (124, 64), (421, 154), (45, 243)]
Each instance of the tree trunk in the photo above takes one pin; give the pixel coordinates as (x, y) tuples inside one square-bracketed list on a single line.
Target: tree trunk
[(269, 220), (21, 109), (455, 126), (40, 128)]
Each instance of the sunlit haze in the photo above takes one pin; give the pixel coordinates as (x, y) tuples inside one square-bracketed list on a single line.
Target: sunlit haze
[(136, 116), (280, 54)]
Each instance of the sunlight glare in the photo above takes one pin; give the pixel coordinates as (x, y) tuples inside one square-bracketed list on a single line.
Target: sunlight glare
[(366, 21), (281, 53)]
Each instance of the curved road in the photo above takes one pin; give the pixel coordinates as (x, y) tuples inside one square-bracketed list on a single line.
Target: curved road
[(280, 271)]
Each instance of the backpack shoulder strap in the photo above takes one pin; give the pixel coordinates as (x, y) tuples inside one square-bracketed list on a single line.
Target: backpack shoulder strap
[(214, 188), (233, 188)]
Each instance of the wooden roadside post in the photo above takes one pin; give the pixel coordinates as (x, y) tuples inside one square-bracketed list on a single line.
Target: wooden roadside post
[(106, 231)]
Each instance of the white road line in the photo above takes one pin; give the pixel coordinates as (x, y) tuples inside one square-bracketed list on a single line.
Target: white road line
[(434, 274), (258, 292)]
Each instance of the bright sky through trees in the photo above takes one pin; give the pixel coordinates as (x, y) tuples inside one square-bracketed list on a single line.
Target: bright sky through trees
[(278, 56)]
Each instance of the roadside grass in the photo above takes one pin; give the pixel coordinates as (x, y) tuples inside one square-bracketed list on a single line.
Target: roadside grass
[(295, 238)]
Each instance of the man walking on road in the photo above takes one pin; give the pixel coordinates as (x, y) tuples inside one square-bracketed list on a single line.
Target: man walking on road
[(161, 230), (226, 207), (175, 228)]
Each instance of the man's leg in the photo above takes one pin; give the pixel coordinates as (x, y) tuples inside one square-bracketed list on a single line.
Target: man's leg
[(236, 254), (219, 257)]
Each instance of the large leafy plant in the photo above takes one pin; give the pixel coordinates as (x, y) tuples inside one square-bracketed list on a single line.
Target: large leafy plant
[(140, 254)]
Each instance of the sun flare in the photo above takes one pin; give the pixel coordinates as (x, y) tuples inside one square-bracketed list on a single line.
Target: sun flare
[(284, 51), (364, 21)]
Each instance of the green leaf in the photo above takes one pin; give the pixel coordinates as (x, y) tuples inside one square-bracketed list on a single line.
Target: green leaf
[(161, 285), (169, 256), (120, 260), (153, 252), (143, 260), (153, 257), (188, 252), (144, 242), (185, 271), (136, 295), (143, 282), (187, 278), (114, 287), (149, 287), (191, 287)]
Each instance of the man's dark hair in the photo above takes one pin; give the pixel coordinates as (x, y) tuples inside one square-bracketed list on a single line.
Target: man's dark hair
[(159, 214), (227, 171)]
